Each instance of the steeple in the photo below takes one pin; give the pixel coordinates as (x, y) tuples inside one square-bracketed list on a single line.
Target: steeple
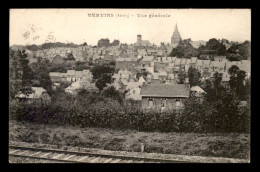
[(176, 28), (176, 37)]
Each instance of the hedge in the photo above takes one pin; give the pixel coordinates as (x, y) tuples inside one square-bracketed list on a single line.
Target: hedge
[(116, 116)]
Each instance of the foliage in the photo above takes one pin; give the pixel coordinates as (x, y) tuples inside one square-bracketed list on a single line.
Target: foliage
[(57, 44), (184, 49), (111, 92), (239, 51), (32, 47), (115, 43), (103, 43), (20, 73), (194, 76), (103, 75), (106, 43), (237, 81), (181, 77), (104, 79)]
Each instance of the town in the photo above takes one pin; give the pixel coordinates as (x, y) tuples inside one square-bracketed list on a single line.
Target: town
[(180, 86), (139, 68)]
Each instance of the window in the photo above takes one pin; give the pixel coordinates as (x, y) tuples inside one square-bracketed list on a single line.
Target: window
[(178, 103), (150, 102), (164, 102)]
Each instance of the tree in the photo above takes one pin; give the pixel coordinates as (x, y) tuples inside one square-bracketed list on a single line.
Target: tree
[(103, 75), (237, 81), (111, 92), (20, 73), (213, 88), (115, 43), (32, 47), (181, 76), (104, 80), (103, 43), (194, 76), (84, 44), (99, 70), (184, 49), (217, 80), (70, 57), (213, 45)]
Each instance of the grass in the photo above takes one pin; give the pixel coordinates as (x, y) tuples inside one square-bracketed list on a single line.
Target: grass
[(229, 145)]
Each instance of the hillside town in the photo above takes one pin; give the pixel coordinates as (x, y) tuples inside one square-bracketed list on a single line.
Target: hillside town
[(140, 68), (129, 86)]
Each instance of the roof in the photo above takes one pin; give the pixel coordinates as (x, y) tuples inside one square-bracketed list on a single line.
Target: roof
[(163, 73), (165, 90), (188, 61), (57, 74), (133, 85), (194, 59), (126, 59), (183, 61), (177, 61), (78, 73), (147, 58), (37, 92), (206, 62), (197, 89), (124, 81), (155, 76), (71, 72), (199, 62)]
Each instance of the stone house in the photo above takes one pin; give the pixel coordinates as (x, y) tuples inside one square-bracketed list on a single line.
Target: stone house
[(164, 96), (38, 96)]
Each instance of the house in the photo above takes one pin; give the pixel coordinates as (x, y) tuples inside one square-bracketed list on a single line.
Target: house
[(146, 61), (177, 64), (141, 79), (55, 76), (164, 96), (126, 63), (73, 88), (78, 75), (85, 83), (220, 58), (134, 89), (193, 61), (71, 75), (39, 96), (197, 91)]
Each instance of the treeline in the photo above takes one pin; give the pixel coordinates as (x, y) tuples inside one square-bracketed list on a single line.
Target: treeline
[(214, 47)]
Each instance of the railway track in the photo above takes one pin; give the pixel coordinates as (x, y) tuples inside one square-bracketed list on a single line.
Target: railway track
[(80, 157)]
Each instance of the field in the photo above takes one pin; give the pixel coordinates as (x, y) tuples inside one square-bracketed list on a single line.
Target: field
[(230, 145)]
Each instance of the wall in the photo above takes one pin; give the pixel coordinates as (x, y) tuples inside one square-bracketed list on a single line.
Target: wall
[(157, 102)]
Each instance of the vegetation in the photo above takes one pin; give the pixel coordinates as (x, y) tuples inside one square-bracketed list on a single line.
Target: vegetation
[(184, 49), (20, 74), (238, 81), (106, 43), (194, 76), (103, 75), (219, 112)]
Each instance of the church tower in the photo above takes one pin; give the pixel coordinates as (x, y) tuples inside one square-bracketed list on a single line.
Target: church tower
[(176, 37)]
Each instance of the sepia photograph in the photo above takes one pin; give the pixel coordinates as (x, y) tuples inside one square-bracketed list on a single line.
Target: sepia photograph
[(94, 85)]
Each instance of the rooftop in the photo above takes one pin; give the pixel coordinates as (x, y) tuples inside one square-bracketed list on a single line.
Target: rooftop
[(165, 90)]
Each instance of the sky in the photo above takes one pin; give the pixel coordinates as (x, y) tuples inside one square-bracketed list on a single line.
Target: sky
[(37, 26)]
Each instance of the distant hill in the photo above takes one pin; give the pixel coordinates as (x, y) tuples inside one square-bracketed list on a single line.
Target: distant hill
[(16, 47), (43, 46)]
